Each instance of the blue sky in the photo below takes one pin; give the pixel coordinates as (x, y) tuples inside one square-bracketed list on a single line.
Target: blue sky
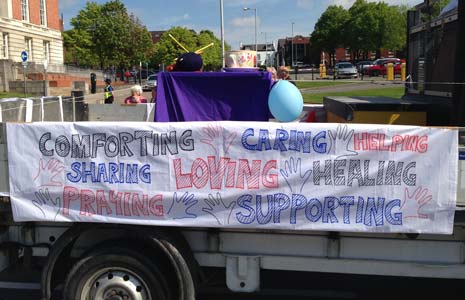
[(274, 17)]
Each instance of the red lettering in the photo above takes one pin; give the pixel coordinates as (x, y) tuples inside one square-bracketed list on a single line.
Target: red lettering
[(126, 204), (422, 144), (270, 180), (116, 200), (155, 206), (360, 142), (69, 194), (87, 199), (230, 174), (200, 180), (139, 205), (182, 180), (102, 202), (244, 173), (217, 171), (396, 140)]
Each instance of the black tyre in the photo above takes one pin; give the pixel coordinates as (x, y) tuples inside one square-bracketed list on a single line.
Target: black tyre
[(375, 73), (115, 274)]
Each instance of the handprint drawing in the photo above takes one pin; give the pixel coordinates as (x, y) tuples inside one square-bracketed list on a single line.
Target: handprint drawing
[(218, 209), (292, 174), (418, 199), (43, 199), (50, 172), (181, 206), (340, 141), (215, 135)]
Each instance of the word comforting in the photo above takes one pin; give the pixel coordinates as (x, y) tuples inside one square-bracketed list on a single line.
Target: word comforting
[(139, 143), (270, 209), (112, 203)]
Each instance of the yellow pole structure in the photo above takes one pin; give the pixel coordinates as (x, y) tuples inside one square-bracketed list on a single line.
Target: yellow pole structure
[(176, 41), (390, 71), (322, 71), (403, 71)]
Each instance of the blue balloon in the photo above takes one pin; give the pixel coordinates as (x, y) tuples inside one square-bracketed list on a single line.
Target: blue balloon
[(285, 101)]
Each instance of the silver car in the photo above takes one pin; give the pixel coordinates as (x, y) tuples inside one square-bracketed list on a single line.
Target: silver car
[(345, 70), (150, 83)]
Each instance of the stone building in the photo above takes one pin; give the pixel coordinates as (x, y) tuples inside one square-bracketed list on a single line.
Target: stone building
[(31, 25)]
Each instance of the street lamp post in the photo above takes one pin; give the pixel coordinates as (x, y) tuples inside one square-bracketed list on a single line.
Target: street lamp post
[(292, 46), (266, 50), (255, 11), (222, 32)]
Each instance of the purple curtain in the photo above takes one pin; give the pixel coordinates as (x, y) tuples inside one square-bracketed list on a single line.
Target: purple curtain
[(212, 96)]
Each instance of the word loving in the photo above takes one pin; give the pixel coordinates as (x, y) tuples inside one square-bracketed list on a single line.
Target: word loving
[(239, 174)]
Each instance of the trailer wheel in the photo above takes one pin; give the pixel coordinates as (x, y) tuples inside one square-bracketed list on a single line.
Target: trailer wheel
[(116, 274), (375, 73)]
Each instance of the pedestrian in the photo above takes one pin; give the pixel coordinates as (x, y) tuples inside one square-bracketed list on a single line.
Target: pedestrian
[(283, 74), (108, 92), (272, 70), (136, 96)]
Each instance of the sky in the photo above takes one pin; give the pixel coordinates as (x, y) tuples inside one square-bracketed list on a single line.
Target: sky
[(274, 17)]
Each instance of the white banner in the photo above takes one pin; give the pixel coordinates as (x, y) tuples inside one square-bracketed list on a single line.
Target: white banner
[(295, 176)]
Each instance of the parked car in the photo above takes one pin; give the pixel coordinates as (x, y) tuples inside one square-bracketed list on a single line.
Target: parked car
[(379, 66), (363, 64), (345, 70), (150, 83)]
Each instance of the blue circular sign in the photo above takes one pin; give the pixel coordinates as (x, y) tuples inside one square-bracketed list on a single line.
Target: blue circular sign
[(24, 56)]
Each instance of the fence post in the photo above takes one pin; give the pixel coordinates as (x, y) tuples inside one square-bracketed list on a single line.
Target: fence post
[(74, 108)]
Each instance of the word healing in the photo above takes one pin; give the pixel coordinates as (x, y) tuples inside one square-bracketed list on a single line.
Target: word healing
[(350, 209), (138, 143)]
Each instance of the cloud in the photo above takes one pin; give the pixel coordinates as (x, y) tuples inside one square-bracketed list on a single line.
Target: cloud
[(244, 22), (306, 4), (65, 4), (348, 3), (175, 20)]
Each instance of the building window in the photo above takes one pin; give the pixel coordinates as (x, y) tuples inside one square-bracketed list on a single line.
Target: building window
[(28, 47), (43, 13), (47, 51), (4, 49), (25, 10)]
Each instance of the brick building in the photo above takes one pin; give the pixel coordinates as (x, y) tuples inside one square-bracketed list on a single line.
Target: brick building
[(31, 25)]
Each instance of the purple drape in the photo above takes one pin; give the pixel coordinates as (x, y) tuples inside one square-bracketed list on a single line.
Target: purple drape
[(212, 96)]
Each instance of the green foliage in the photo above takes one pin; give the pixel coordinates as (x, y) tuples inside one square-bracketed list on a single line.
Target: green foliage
[(365, 27), (167, 50), (329, 32), (105, 35)]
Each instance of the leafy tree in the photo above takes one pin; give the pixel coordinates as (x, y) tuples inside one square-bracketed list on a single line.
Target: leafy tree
[(329, 32), (106, 35), (167, 50), (362, 27)]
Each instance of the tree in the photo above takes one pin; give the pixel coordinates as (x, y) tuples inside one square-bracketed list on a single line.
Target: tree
[(362, 27), (167, 50), (105, 34), (329, 32)]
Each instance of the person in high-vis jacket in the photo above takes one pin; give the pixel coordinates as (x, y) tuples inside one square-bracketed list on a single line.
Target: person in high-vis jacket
[(108, 95)]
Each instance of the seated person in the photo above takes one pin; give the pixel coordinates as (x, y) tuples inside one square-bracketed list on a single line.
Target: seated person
[(136, 96)]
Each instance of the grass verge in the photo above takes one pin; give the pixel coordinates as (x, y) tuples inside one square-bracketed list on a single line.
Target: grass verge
[(395, 92), (12, 95), (317, 84)]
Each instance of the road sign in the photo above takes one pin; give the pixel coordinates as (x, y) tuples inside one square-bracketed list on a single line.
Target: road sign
[(24, 56)]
